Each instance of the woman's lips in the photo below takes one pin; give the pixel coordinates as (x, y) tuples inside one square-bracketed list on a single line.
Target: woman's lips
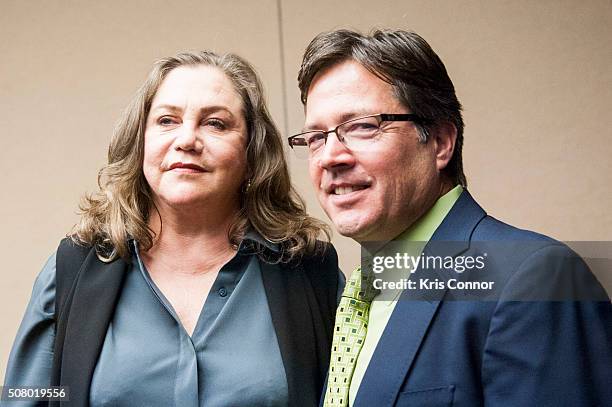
[(186, 167)]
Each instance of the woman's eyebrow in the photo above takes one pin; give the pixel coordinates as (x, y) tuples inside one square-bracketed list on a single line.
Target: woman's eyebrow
[(172, 108), (216, 108), (202, 110)]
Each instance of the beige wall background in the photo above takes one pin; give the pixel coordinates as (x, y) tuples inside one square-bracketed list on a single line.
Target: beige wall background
[(534, 79)]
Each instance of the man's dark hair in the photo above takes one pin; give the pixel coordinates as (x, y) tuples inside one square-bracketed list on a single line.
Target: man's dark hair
[(407, 62)]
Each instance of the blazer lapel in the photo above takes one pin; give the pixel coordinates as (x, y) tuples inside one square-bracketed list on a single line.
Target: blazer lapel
[(408, 324), (286, 290), (93, 305), (395, 352)]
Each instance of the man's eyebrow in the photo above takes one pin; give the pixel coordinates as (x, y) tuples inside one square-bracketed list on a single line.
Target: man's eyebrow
[(341, 119)]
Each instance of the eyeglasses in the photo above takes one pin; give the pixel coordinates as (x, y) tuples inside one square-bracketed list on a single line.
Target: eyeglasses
[(354, 133)]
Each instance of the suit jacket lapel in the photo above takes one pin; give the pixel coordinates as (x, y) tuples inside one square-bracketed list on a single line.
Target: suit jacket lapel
[(93, 305), (395, 352), (408, 324)]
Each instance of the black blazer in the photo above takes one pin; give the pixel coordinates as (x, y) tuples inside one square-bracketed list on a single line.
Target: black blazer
[(301, 296)]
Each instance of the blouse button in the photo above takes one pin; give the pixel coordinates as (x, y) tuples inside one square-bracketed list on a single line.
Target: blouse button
[(222, 292)]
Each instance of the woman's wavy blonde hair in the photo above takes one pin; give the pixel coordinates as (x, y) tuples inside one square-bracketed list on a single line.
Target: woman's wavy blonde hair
[(269, 205)]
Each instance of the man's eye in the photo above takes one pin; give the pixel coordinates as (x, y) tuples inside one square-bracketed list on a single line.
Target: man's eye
[(215, 123), (315, 140), (362, 127)]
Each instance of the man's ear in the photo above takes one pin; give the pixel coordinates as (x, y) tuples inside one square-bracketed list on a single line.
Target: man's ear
[(445, 136)]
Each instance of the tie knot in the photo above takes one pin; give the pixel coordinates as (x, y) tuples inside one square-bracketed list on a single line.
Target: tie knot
[(360, 286)]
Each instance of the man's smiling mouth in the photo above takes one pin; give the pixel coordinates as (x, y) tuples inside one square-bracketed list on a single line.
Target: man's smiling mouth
[(347, 189)]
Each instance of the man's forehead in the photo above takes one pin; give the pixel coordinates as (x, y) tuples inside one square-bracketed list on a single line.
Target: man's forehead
[(341, 74), (345, 91), (348, 76)]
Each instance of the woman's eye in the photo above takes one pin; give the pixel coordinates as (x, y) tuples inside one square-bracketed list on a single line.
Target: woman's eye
[(215, 123), (165, 121)]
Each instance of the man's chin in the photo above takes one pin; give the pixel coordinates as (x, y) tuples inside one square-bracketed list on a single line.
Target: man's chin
[(355, 230), (353, 223)]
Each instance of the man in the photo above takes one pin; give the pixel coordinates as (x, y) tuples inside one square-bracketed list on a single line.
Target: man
[(383, 135)]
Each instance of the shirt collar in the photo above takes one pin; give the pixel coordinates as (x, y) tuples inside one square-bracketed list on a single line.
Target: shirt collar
[(253, 236), (423, 229), (250, 237)]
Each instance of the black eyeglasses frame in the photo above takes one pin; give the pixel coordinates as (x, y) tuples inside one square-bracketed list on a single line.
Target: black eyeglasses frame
[(298, 141)]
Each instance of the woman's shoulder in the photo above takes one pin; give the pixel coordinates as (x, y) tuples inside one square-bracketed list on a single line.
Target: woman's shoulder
[(31, 356), (42, 300), (44, 292), (321, 265), (323, 273), (70, 246), (323, 254)]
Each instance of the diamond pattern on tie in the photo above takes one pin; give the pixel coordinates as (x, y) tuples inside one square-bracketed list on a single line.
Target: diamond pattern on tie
[(349, 333)]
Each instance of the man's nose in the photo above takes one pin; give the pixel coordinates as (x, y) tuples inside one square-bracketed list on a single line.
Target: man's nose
[(189, 138), (335, 154)]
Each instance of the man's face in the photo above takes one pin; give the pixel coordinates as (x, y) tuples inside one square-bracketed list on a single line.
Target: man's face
[(374, 193)]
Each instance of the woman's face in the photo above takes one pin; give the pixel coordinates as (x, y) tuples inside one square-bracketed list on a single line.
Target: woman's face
[(195, 141)]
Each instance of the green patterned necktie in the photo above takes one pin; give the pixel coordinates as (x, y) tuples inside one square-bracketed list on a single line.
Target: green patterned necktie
[(349, 334)]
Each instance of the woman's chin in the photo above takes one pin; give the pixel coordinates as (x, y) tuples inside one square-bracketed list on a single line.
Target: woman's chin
[(189, 202), (186, 201)]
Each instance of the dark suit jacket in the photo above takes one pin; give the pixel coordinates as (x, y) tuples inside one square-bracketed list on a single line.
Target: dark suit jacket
[(302, 297), (496, 353)]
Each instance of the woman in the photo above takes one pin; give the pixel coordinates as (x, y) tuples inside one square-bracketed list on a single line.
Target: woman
[(194, 276)]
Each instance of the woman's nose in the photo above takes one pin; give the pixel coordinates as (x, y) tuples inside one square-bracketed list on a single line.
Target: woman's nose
[(189, 138)]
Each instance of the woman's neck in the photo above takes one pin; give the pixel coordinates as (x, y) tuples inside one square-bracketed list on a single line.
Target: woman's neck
[(189, 243)]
